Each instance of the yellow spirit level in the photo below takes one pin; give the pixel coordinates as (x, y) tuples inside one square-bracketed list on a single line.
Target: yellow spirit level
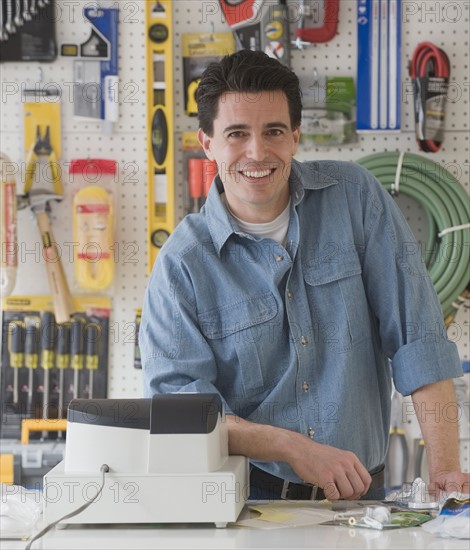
[(159, 50)]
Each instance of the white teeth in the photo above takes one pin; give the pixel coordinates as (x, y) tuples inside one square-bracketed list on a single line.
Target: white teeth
[(260, 174)]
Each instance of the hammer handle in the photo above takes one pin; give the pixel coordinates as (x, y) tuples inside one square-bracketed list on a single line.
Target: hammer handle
[(61, 297)]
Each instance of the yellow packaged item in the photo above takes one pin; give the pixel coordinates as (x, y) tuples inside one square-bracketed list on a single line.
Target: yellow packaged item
[(93, 238)]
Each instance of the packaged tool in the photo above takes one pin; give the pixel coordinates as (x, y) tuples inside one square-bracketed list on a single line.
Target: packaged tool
[(46, 364), (378, 517), (329, 112), (96, 67), (27, 30), (241, 13), (42, 135), (9, 239), (413, 495), (378, 65), (198, 172), (42, 145), (200, 49), (259, 26), (93, 222), (42, 186), (430, 72), (318, 21), (453, 519)]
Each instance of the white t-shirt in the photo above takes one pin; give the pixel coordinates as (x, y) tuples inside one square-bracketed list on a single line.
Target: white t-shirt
[(275, 229)]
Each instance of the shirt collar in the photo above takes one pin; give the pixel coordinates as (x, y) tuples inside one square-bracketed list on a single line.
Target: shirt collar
[(304, 175), (310, 175)]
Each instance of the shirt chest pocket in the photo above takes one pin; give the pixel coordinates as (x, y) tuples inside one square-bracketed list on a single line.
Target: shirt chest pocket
[(241, 335), (337, 301)]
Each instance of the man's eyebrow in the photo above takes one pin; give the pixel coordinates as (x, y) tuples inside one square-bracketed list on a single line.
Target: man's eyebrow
[(268, 125), (236, 127), (277, 125)]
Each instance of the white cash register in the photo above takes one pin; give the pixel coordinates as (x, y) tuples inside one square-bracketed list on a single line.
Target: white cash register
[(158, 460)]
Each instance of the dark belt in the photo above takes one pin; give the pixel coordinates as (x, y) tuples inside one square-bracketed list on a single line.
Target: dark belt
[(283, 489)]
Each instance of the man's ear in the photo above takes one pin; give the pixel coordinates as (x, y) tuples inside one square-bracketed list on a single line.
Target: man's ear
[(296, 136), (205, 142)]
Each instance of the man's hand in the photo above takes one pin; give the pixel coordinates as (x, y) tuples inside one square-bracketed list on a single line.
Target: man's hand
[(445, 483), (441, 437), (339, 473)]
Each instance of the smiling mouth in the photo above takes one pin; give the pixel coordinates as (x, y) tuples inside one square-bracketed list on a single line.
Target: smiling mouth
[(257, 174)]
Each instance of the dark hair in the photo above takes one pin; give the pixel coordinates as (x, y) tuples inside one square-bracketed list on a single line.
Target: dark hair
[(246, 71)]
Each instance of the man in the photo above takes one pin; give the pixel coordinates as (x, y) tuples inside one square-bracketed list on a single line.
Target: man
[(288, 294)]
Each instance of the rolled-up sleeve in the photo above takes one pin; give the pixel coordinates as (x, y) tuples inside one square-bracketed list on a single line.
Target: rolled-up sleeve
[(440, 359)]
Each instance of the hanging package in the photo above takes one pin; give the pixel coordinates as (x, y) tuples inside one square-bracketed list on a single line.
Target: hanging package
[(28, 30)]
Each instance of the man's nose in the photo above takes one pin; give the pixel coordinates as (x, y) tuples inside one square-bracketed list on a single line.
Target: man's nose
[(257, 148)]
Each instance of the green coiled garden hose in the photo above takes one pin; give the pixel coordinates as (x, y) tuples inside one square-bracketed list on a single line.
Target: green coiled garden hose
[(446, 204)]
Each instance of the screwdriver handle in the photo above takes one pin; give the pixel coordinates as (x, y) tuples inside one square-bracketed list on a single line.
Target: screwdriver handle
[(209, 171), (16, 349), (63, 345), (48, 339), (92, 338), (31, 347), (195, 177), (16, 342)]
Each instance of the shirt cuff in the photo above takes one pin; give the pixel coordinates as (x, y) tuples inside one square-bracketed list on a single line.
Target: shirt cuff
[(420, 363)]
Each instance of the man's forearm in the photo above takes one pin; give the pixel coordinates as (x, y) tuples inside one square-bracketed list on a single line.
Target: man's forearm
[(437, 411), (338, 472), (260, 441)]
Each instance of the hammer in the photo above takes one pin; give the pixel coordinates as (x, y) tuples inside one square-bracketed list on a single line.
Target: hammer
[(38, 200)]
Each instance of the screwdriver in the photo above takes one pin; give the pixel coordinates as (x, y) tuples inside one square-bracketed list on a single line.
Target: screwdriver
[(195, 181), (48, 336), (92, 337), (16, 349), (62, 362), (209, 171), (76, 352), (31, 357)]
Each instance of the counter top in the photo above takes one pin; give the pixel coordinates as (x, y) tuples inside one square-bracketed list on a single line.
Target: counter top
[(208, 537)]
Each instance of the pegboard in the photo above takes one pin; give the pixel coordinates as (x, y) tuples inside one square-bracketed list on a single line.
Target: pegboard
[(443, 22)]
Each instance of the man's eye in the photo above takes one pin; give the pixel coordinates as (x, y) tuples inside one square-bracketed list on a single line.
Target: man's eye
[(275, 132), (236, 134)]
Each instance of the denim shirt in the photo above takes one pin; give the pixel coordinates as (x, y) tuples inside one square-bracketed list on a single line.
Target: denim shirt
[(306, 336)]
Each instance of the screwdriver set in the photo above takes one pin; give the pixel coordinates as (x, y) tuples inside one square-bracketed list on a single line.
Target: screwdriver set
[(47, 364)]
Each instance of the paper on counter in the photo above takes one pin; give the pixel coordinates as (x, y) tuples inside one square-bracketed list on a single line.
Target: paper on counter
[(279, 514)]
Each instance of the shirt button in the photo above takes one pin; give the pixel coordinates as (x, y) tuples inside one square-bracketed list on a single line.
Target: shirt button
[(311, 433), (303, 341), (289, 295), (279, 258), (305, 386)]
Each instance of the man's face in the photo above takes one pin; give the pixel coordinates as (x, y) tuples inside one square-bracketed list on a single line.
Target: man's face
[(253, 144)]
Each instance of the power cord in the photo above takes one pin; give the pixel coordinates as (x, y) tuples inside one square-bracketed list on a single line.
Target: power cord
[(104, 469), (429, 61)]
